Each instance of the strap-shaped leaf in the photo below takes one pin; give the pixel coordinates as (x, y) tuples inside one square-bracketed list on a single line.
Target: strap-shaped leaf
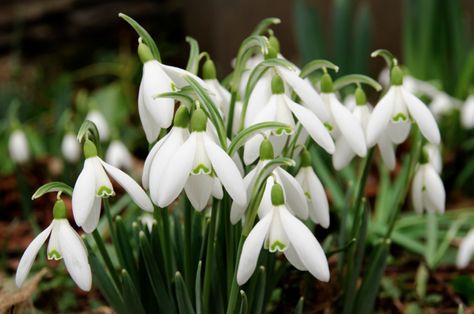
[(130, 294), (144, 35), (264, 24), (197, 288), (243, 303), (54, 186), (193, 60), (182, 295)]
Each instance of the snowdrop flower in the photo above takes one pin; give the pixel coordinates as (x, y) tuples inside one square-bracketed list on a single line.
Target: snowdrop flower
[(441, 104), (427, 189), (100, 122), (292, 190), (342, 125), (318, 206), (193, 166), (18, 147), (280, 231), (70, 148), (64, 243), (118, 156), (162, 152), (220, 95), (93, 184), (466, 249), (147, 220), (344, 153), (467, 113), (434, 156), (394, 112), (281, 108), (412, 84)]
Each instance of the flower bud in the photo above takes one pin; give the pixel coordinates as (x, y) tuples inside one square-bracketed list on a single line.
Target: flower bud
[(198, 120), (18, 147), (278, 198), (70, 148), (59, 210), (209, 70)]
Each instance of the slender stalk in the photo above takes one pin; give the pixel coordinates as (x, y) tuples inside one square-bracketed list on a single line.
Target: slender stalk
[(209, 255), (188, 258)]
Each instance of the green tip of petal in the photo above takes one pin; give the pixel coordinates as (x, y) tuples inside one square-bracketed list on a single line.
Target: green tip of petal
[(198, 120), (181, 118), (89, 149), (361, 98), (278, 87), (209, 70), (144, 52), (326, 84), (266, 150), (305, 158), (59, 210), (396, 76), (278, 197)]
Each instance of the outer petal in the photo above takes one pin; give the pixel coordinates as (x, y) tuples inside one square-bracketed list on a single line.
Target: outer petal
[(312, 124), (423, 117), (293, 258), (349, 127), (467, 113), (343, 154), (306, 92), (75, 256), (151, 127), (306, 246), (387, 151), (29, 256), (149, 160), (176, 175), (93, 219), (136, 192), (251, 250), (226, 171), (434, 188), (260, 96), (83, 194), (465, 250), (380, 117), (198, 188), (417, 191), (217, 191), (319, 211), (294, 194), (178, 74)]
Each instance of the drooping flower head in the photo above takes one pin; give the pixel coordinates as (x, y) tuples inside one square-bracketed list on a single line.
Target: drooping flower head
[(18, 147), (70, 148), (118, 155)]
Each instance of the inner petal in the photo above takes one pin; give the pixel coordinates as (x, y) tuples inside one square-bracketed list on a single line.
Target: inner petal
[(54, 250), (278, 241), (202, 164)]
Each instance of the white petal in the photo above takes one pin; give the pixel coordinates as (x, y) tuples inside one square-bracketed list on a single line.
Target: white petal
[(137, 194), (306, 246), (423, 117), (103, 186), (54, 250), (466, 249), (93, 219), (387, 151), (265, 207), (398, 131), (217, 191), (305, 91), (294, 194), (29, 256), (149, 160), (417, 191), (293, 258), (349, 127), (151, 127), (260, 96), (176, 175), (251, 250), (434, 188), (198, 189), (226, 171), (313, 125), (343, 154), (236, 210), (75, 256), (178, 74), (83, 194), (467, 113), (319, 211), (380, 117)]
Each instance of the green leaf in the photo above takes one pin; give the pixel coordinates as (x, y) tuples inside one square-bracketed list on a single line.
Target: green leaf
[(131, 295), (198, 287), (308, 26), (125, 248), (193, 60), (448, 238), (422, 277), (264, 24), (315, 65), (144, 35), (362, 39), (246, 133), (464, 286), (243, 303), (299, 306), (431, 238), (54, 186), (184, 301), (260, 291)]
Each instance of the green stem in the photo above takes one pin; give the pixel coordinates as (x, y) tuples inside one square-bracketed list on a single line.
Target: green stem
[(188, 258), (209, 255), (167, 243)]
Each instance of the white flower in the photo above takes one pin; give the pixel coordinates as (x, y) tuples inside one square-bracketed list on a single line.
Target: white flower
[(18, 147), (441, 104), (434, 156), (63, 243), (467, 113), (93, 184), (282, 232), (148, 220), (392, 115), (70, 148), (193, 165), (281, 108), (466, 249), (100, 122), (318, 206), (118, 156), (427, 190)]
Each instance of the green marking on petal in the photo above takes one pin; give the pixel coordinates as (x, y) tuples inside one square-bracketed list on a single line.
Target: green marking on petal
[(105, 192), (54, 254), (174, 88), (201, 169), (283, 131), (423, 188), (277, 246), (399, 117), (308, 196), (328, 126)]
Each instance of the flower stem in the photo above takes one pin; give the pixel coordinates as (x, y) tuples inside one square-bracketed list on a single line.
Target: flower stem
[(209, 255), (188, 258)]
